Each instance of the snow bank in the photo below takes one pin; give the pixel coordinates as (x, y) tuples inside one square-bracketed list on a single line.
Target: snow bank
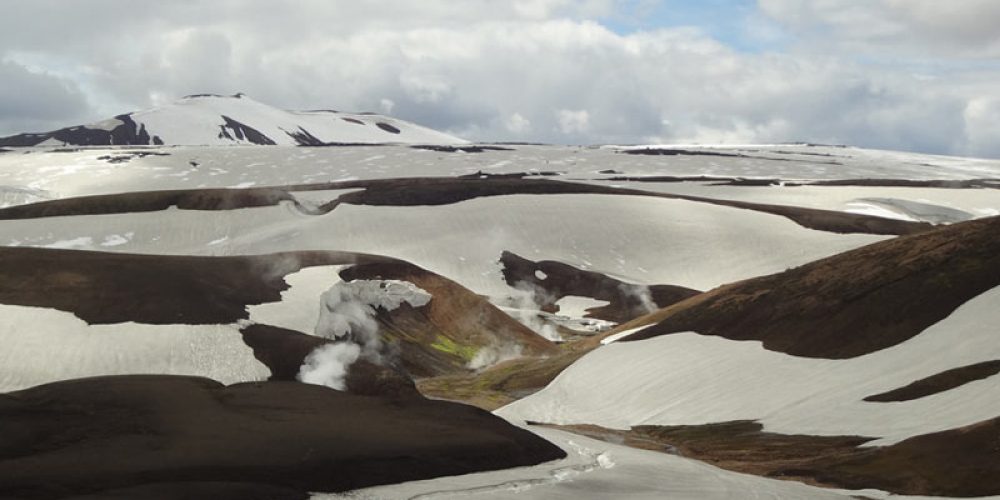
[(690, 379)]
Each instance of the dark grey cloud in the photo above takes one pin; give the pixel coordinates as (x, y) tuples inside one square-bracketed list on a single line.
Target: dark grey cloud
[(35, 99)]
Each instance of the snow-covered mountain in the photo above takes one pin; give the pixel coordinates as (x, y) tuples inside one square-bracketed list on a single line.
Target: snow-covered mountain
[(208, 119)]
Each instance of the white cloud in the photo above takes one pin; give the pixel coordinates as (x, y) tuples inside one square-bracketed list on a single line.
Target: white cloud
[(539, 70), (982, 119), (956, 28), (32, 99), (573, 121), (386, 105), (517, 124)]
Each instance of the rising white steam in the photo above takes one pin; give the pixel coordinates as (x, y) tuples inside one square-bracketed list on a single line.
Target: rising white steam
[(347, 316), (490, 355), (524, 304), (327, 364), (640, 293)]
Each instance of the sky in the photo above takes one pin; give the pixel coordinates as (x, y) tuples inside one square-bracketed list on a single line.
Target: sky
[(915, 75)]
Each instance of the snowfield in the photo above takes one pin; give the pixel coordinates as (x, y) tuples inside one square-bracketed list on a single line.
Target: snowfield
[(642, 240), (689, 379), (44, 345), (458, 232), (598, 469), (81, 171)]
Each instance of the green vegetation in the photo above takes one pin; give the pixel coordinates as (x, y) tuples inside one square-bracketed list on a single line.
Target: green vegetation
[(445, 344)]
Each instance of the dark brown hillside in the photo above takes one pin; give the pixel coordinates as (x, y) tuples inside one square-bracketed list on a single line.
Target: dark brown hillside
[(962, 462), (171, 437), (103, 287), (850, 304)]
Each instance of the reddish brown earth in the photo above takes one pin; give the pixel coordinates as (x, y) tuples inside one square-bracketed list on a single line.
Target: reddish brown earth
[(162, 436), (427, 191), (442, 336), (563, 279), (940, 382), (102, 288), (850, 304)]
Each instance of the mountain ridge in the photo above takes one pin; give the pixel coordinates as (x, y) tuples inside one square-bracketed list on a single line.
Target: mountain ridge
[(211, 119)]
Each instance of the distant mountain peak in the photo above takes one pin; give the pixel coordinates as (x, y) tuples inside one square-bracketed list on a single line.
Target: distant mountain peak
[(214, 119)]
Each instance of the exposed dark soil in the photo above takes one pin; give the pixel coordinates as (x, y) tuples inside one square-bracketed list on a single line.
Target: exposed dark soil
[(193, 490), (428, 191), (166, 436), (963, 462), (102, 288), (127, 156), (280, 349), (850, 304), (676, 152), (352, 120), (512, 175), (460, 149), (716, 181), (940, 382), (563, 279), (984, 183), (950, 184), (150, 201), (697, 152)]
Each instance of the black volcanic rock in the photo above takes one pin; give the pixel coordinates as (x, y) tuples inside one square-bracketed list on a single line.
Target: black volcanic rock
[(304, 138), (388, 128), (127, 133), (233, 129)]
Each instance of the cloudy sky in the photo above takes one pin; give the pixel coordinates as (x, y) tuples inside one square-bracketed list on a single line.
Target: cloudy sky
[(921, 75)]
